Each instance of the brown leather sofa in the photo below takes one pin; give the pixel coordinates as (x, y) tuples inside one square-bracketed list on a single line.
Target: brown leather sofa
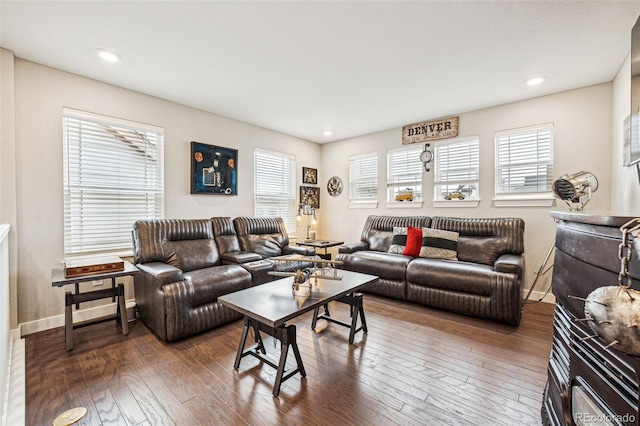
[(486, 280), (185, 264)]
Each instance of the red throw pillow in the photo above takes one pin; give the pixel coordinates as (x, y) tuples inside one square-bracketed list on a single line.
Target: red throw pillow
[(414, 242)]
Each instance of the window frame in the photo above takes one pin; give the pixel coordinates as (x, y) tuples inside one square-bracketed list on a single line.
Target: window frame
[(287, 187), (412, 161), (525, 198), (473, 146), (102, 168), (361, 160)]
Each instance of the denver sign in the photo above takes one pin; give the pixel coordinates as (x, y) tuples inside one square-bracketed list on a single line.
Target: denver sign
[(430, 130)]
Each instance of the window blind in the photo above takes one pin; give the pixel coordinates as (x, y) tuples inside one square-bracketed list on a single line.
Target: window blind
[(274, 186), (404, 171), (457, 167), (524, 160), (363, 177), (113, 176)]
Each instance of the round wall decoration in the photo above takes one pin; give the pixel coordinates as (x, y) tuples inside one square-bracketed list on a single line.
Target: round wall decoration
[(334, 186)]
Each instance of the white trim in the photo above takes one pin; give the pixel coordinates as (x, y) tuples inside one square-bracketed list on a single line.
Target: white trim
[(16, 385), (536, 295), (405, 205), (109, 120), (533, 200), (363, 204), (456, 203), (78, 316)]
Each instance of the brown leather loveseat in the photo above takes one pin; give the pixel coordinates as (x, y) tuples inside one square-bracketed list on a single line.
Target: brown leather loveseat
[(485, 281), (186, 264)]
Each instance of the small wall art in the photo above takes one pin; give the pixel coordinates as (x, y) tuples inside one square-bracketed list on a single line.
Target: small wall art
[(310, 175), (310, 195), (214, 169)]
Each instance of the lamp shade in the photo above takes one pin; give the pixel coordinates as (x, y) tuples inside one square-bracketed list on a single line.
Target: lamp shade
[(575, 188)]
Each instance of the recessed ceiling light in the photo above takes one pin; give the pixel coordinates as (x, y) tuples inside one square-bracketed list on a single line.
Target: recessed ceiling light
[(107, 55), (534, 81), (327, 133)]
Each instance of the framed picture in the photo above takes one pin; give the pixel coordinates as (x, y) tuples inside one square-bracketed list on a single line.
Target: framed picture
[(310, 195), (214, 169), (310, 175)]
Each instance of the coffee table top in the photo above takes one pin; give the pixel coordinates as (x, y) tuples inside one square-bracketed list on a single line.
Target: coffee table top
[(320, 243), (275, 303)]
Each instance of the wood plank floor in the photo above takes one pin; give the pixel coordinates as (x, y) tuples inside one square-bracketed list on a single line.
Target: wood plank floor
[(416, 366)]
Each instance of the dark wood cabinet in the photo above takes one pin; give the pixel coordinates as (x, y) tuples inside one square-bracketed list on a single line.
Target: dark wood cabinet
[(588, 383)]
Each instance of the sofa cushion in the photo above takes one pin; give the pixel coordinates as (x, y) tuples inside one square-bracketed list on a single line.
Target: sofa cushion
[(414, 241), (484, 240), (385, 265), (439, 244), (398, 240), (191, 254), (208, 284), (461, 277), (378, 230)]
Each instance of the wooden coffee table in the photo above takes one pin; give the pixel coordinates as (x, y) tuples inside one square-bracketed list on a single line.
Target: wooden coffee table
[(268, 307)]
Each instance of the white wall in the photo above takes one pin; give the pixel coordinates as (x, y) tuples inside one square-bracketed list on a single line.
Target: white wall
[(625, 184), (8, 196), (583, 133), (582, 120), (41, 93)]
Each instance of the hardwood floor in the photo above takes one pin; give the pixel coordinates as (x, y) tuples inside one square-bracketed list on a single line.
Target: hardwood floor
[(416, 366)]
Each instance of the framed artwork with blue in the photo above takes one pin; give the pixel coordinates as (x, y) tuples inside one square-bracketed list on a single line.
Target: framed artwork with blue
[(214, 169)]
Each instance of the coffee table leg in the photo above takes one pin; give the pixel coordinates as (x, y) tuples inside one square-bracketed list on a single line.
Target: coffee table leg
[(245, 332), (122, 307), (315, 315), (357, 311), (287, 337), (68, 319)]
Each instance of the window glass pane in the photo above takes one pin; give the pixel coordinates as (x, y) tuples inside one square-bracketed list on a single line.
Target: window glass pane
[(524, 160), (363, 177), (404, 174), (274, 186), (457, 169), (113, 176)]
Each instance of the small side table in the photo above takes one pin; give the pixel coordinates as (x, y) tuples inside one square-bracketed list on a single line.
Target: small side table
[(321, 244), (75, 298)]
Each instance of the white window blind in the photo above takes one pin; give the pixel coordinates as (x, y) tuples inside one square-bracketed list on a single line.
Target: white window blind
[(404, 172), (457, 167), (363, 177), (113, 176), (524, 160), (274, 186)]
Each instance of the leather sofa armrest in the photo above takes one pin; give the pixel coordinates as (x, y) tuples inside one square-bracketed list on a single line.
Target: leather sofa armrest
[(162, 273), (305, 251), (510, 263), (352, 248), (240, 257)]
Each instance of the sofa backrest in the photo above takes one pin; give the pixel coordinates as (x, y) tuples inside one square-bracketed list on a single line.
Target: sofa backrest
[(484, 240), (187, 244), (225, 235), (263, 235), (378, 230)]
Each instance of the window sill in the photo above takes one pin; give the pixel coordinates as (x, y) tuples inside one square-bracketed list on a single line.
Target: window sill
[(545, 200), (363, 204), (404, 205), (456, 203)]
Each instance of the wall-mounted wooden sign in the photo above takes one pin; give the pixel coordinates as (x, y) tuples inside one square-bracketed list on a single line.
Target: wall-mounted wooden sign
[(430, 130)]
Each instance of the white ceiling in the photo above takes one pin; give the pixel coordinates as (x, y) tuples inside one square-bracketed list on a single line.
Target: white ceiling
[(353, 67)]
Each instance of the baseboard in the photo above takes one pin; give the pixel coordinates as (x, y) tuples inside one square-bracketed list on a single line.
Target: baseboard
[(15, 402), (536, 296), (78, 316)]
